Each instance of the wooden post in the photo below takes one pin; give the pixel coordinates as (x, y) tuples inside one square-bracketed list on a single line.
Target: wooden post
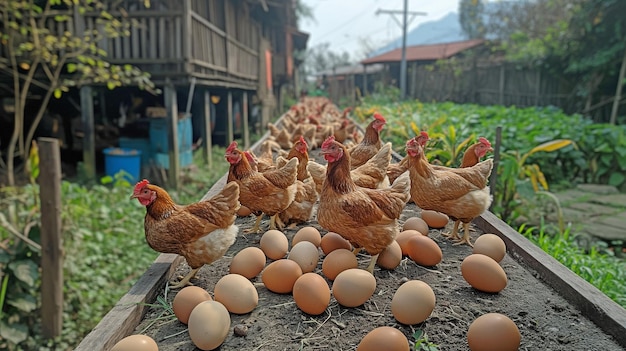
[(501, 87), (89, 140), (538, 87), (51, 240), (230, 133), (364, 80), (171, 106), (246, 132), (206, 130), (493, 179), (618, 91)]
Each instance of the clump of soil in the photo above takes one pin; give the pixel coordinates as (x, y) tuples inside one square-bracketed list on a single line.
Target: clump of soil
[(545, 319)]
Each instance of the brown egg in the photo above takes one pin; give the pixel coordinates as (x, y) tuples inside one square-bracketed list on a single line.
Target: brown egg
[(390, 257), (413, 302), (186, 299), (236, 293), (416, 223), (338, 261), (384, 338), (311, 294), (493, 332), (403, 240), (243, 211), (483, 273), (209, 324), (306, 255), (435, 219), (248, 262), (490, 245), (353, 287), (424, 250), (280, 276), (333, 241), (274, 244), (136, 342), (310, 234)]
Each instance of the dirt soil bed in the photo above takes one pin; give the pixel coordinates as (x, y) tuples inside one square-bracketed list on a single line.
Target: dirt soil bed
[(545, 319)]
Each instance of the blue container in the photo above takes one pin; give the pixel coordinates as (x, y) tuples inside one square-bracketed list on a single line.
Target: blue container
[(159, 130), (163, 160), (141, 144), (118, 159)]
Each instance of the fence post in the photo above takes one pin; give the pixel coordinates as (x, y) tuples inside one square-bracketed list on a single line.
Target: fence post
[(51, 240), (501, 86)]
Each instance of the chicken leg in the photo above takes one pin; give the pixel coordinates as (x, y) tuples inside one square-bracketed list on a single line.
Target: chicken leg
[(257, 225), (370, 267), (454, 234), (466, 236), (185, 281)]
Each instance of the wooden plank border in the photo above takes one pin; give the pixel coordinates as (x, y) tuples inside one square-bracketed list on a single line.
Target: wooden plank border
[(124, 317), (593, 303), (610, 317)]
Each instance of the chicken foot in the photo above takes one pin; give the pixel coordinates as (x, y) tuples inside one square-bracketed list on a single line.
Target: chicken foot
[(185, 281), (454, 234), (466, 236), (257, 225)]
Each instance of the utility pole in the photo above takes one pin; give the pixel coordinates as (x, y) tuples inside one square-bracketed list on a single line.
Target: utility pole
[(405, 12)]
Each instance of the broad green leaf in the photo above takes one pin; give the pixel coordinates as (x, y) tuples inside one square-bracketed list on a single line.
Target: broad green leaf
[(71, 67), (617, 179), (14, 333), (57, 93), (25, 270), (23, 302), (111, 85)]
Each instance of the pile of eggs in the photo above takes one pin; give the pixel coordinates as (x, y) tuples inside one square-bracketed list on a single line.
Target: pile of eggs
[(293, 271)]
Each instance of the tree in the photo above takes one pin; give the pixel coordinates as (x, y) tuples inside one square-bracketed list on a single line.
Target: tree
[(471, 14), (599, 46), (47, 52), (320, 58)]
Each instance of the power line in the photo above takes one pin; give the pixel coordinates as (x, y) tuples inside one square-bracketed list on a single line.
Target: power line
[(405, 12), (343, 24)]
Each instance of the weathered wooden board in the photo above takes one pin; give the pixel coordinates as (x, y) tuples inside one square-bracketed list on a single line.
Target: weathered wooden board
[(593, 303), (129, 310)]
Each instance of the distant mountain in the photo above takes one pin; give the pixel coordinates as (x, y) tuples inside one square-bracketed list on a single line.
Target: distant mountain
[(444, 30)]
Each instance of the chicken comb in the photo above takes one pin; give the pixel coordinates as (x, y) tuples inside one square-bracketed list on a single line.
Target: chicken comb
[(380, 117), (302, 140), (484, 141), (424, 134), (249, 156), (328, 141), (140, 185), (232, 146)]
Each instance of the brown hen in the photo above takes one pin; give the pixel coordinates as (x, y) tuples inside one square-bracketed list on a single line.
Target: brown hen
[(365, 217), (201, 232)]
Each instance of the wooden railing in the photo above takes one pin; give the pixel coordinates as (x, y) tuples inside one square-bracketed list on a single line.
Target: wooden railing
[(179, 42)]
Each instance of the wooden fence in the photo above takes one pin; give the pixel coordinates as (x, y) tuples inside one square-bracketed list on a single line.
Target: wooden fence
[(498, 84), (489, 84)]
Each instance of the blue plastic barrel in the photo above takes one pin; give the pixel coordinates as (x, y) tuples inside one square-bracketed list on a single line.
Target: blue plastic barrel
[(118, 159)]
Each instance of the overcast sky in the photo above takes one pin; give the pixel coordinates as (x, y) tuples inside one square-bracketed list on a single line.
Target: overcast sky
[(343, 22)]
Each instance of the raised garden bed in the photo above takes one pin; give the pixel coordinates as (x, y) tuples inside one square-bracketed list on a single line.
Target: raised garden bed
[(553, 308)]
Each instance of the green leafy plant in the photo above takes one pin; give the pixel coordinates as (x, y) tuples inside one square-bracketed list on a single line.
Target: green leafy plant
[(604, 271), (518, 179), (422, 343)]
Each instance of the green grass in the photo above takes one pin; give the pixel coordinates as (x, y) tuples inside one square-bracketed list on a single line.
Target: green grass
[(605, 271)]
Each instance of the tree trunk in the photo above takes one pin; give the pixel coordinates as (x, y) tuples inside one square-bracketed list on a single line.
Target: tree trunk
[(618, 91)]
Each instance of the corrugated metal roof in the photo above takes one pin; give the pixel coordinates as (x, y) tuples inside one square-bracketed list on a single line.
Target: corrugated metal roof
[(425, 52)]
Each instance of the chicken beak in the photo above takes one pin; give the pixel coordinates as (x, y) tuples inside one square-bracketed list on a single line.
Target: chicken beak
[(133, 196)]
